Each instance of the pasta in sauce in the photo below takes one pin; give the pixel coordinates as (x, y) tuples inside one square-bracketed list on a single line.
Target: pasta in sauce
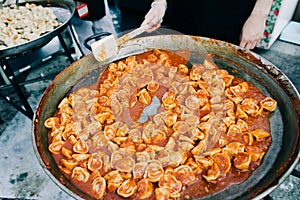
[(152, 128)]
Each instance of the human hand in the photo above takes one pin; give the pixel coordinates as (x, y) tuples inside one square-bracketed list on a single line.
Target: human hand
[(153, 18), (252, 31)]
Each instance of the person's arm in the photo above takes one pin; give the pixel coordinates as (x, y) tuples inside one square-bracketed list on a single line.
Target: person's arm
[(153, 18), (254, 26)]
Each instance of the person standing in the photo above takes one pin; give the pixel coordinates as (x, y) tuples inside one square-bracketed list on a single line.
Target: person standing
[(241, 22), (98, 20)]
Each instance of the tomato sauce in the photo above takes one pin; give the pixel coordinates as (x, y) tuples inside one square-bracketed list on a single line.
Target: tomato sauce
[(200, 187)]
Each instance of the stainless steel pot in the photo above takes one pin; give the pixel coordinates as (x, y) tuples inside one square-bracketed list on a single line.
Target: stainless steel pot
[(283, 153)]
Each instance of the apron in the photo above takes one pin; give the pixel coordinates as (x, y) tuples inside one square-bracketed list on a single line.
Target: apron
[(218, 19)]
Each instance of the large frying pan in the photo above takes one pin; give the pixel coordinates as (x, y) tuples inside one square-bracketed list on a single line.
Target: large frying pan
[(284, 150), (63, 9)]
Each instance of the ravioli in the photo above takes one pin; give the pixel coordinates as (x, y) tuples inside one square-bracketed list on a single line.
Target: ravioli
[(206, 129)]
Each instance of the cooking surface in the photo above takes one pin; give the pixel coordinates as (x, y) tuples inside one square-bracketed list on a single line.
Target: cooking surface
[(23, 177)]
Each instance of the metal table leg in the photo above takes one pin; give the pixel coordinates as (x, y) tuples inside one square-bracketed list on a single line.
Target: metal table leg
[(64, 46), (75, 39), (26, 110)]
